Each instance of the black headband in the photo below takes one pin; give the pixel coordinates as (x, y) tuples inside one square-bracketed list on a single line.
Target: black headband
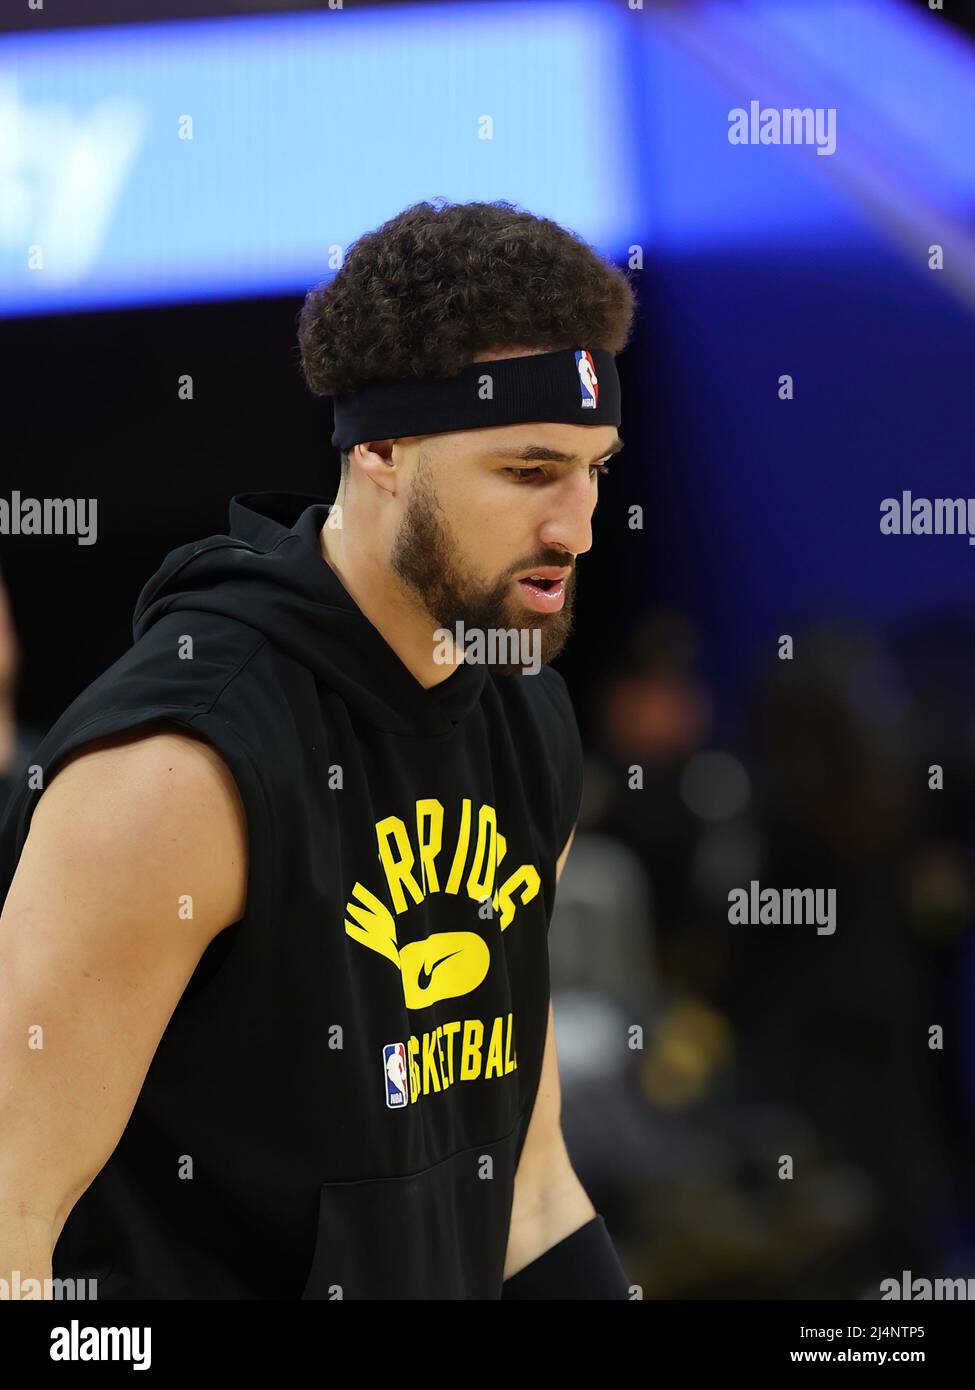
[(574, 386)]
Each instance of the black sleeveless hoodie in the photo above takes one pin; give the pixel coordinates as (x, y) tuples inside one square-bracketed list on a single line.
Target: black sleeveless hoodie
[(338, 1103)]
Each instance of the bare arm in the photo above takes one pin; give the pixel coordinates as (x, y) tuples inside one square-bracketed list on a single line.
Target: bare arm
[(94, 955), (549, 1200)]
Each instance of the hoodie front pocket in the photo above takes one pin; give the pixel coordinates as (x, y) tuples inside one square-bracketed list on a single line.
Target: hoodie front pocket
[(439, 1233)]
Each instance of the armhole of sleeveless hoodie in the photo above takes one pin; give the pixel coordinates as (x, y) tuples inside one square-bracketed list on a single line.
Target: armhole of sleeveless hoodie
[(260, 836), (571, 766)]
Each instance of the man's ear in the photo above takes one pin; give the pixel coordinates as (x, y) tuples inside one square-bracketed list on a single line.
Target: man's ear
[(382, 447), (375, 460)]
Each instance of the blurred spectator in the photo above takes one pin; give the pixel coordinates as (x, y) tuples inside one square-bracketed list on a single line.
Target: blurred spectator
[(764, 1041)]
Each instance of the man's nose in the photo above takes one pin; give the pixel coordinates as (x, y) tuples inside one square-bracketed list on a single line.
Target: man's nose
[(568, 525)]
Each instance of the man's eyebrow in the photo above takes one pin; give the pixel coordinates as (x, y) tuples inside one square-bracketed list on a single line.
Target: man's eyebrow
[(539, 453)]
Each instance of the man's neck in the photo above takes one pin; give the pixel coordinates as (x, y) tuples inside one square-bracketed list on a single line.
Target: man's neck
[(375, 591)]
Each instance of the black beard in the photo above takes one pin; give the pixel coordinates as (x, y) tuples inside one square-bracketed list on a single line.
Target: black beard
[(423, 558)]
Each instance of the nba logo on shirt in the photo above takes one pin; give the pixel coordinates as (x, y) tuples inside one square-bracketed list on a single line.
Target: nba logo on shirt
[(588, 381), (394, 1062)]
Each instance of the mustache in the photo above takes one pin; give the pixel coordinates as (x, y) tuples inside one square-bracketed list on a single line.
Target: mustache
[(557, 561)]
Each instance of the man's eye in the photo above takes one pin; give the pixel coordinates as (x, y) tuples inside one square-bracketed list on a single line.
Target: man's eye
[(523, 475)]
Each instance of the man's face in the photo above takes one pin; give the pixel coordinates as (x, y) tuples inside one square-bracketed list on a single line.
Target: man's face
[(488, 506)]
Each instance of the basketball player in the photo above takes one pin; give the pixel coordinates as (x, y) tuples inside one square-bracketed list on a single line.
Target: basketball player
[(274, 997)]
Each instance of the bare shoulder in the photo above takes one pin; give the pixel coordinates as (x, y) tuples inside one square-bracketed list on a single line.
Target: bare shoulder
[(149, 747), (157, 810)]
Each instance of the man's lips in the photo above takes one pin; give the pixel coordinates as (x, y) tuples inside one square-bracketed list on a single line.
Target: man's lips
[(541, 598), (545, 572)]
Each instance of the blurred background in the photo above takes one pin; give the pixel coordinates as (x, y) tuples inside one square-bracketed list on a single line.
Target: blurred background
[(736, 518)]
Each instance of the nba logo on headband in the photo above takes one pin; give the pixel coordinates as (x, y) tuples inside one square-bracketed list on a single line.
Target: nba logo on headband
[(588, 381), (568, 384)]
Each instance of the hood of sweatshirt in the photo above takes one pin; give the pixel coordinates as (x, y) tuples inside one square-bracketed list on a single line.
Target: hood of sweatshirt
[(269, 574)]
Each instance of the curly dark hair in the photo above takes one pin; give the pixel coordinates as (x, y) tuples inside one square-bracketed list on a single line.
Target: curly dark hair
[(436, 286)]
